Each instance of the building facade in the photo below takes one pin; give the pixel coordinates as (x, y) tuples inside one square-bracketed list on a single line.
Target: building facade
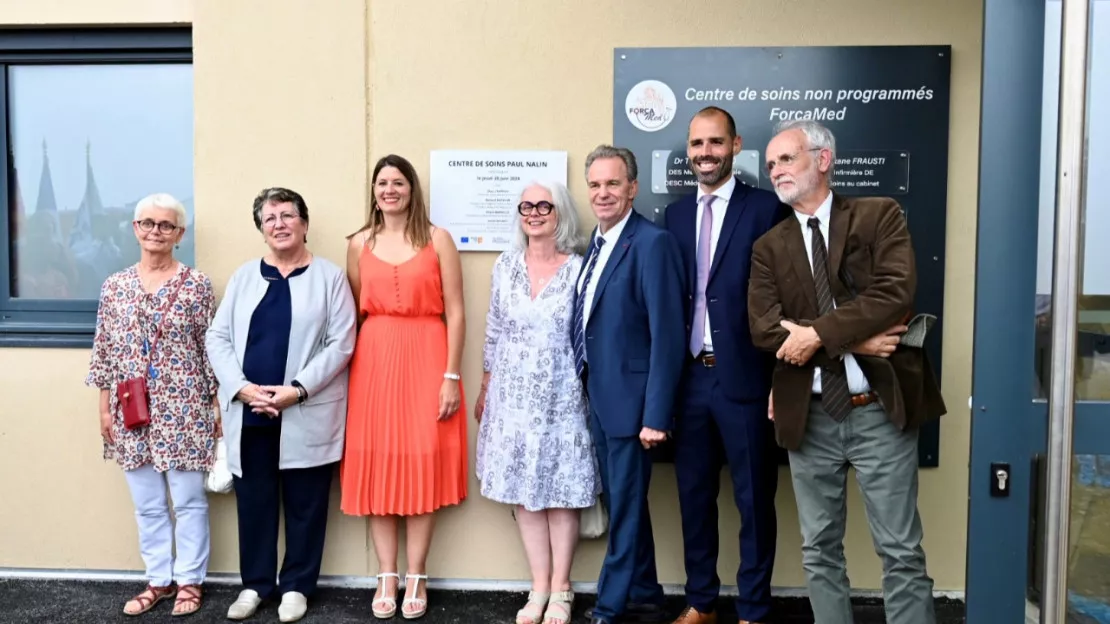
[(308, 96)]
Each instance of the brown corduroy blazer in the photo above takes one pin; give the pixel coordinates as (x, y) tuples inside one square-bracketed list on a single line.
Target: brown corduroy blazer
[(871, 266)]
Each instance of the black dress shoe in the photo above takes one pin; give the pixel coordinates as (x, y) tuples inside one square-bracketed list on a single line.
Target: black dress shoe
[(638, 612)]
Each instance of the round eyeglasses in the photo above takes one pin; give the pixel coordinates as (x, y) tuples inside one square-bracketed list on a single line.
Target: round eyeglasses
[(165, 227), (527, 208)]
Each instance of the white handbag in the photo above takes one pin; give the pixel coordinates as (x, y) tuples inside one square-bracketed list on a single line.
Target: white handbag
[(218, 479), (593, 521)]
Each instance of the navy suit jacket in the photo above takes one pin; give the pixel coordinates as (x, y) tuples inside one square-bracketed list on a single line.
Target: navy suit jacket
[(744, 370), (634, 334)]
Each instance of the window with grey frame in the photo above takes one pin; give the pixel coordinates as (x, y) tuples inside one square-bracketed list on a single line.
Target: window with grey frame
[(91, 121)]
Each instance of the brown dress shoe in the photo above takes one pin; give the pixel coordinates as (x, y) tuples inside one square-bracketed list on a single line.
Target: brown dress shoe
[(691, 615)]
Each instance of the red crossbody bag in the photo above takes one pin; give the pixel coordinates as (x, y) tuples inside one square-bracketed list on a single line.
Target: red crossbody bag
[(133, 394)]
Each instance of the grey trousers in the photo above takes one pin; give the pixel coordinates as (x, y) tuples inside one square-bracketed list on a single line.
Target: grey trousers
[(885, 461)]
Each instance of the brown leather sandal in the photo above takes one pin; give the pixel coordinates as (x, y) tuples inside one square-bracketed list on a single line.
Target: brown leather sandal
[(189, 597), (149, 597)]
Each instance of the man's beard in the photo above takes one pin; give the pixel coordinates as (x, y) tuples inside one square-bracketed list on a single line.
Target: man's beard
[(803, 185), (723, 170)]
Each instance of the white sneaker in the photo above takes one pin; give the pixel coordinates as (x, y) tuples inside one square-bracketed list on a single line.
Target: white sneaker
[(244, 606), (293, 606)]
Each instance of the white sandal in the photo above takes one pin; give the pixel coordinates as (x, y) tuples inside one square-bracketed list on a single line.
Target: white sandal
[(532, 613), (390, 602), (421, 603), (559, 608)]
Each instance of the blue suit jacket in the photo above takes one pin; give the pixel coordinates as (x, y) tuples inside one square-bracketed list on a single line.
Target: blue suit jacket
[(745, 370), (634, 335)]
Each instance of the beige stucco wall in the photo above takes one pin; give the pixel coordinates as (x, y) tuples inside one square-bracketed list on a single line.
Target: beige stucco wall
[(107, 12), (308, 95)]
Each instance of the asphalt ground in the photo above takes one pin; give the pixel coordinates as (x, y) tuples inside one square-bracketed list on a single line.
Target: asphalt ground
[(96, 602)]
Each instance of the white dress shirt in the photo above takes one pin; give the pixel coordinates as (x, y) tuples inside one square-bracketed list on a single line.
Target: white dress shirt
[(724, 195), (857, 382), (610, 237)]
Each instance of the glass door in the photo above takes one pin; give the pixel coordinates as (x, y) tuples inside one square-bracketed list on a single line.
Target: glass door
[(1044, 180)]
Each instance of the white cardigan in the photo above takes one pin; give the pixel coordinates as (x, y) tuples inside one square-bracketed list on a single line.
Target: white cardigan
[(321, 343)]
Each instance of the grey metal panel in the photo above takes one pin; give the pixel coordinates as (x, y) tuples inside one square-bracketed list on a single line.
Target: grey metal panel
[(1092, 429), (1006, 424), (96, 39)]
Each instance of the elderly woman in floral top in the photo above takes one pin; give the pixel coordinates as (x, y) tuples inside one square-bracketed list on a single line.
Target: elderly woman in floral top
[(151, 323)]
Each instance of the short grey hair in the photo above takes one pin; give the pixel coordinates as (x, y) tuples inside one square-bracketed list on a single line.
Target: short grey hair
[(278, 195), (817, 135), (162, 200), (608, 151), (568, 239)]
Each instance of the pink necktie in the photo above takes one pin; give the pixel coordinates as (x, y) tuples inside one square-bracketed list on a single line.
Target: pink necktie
[(705, 237)]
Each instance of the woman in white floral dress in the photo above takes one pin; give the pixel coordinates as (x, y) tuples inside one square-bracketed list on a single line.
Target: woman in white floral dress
[(534, 446)]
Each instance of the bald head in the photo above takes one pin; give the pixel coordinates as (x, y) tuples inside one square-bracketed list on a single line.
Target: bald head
[(712, 112)]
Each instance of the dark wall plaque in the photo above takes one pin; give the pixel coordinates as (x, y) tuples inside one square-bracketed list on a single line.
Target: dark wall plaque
[(886, 105)]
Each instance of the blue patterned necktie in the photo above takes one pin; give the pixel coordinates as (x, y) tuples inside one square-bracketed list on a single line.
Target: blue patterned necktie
[(579, 330)]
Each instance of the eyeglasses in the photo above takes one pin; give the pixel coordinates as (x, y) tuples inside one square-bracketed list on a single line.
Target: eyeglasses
[(147, 225), (286, 217), (788, 159), (543, 208)]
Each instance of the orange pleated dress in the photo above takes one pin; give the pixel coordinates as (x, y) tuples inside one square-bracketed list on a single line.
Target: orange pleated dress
[(399, 459)]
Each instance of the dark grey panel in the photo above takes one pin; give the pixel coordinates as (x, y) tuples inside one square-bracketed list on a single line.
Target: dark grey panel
[(887, 105)]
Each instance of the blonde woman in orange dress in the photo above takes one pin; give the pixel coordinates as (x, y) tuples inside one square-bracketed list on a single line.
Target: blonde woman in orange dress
[(406, 448)]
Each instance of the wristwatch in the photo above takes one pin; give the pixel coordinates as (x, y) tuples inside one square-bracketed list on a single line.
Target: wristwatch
[(302, 394)]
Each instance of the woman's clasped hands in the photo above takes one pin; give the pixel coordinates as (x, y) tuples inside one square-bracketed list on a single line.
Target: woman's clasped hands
[(268, 400)]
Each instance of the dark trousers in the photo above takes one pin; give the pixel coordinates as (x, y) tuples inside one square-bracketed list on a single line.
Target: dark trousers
[(628, 572), (259, 495), (711, 430)]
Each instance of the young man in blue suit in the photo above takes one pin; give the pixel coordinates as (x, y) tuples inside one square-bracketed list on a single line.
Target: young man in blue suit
[(629, 345), (725, 389)]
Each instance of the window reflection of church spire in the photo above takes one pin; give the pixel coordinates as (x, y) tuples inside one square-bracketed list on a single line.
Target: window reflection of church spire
[(91, 240), (46, 207), (46, 201), (90, 206)]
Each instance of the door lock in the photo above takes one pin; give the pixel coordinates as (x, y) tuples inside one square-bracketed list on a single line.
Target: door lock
[(1000, 479)]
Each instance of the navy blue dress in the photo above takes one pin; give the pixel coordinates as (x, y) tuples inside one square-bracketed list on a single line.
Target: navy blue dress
[(268, 339)]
